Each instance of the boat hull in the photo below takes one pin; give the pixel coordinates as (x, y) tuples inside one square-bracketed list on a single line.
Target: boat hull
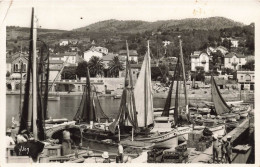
[(167, 140)]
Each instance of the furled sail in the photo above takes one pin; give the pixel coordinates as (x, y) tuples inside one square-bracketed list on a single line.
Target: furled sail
[(219, 103), (25, 110), (127, 110), (88, 109), (41, 106), (167, 106), (143, 94)]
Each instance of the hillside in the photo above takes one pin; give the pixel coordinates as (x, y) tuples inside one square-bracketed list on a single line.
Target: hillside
[(119, 26)]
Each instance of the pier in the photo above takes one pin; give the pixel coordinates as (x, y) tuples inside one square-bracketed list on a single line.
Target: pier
[(238, 134)]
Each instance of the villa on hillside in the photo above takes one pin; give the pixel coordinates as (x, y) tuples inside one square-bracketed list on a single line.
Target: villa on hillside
[(133, 55), (199, 59), (64, 42), (234, 61), (90, 53)]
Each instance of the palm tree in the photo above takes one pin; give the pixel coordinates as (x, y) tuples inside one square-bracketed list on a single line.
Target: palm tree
[(115, 65), (96, 66)]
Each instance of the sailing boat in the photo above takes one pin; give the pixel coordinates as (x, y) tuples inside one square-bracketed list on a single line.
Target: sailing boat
[(90, 110), (38, 74), (136, 110)]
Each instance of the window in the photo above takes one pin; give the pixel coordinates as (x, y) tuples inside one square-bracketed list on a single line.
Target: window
[(239, 60), (241, 77), (24, 68), (229, 60), (16, 68), (248, 78)]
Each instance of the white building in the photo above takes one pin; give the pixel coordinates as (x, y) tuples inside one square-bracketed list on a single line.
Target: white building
[(133, 55), (90, 53), (200, 59), (70, 58), (64, 42), (234, 61)]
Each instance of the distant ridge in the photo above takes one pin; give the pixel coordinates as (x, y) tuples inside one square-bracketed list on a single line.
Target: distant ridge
[(135, 26)]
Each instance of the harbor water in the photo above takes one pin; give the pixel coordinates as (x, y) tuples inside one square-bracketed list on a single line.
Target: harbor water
[(67, 107)]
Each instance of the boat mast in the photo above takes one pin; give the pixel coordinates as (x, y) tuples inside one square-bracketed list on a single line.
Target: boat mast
[(176, 111), (146, 90), (34, 102), (184, 76), (21, 82)]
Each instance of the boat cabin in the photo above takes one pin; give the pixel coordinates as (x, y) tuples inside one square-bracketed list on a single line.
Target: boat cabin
[(163, 124)]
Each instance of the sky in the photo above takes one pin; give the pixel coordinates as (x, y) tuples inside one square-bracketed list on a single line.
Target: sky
[(71, 14)]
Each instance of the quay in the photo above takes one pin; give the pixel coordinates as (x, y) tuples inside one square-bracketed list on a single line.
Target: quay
[(238, 134)]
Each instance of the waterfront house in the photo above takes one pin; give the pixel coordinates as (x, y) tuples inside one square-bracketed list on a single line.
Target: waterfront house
[(18, 64), (64, 42), (199, 59), (234, 60), (69, 58), (246, 80), (133, 55), (90, 53)]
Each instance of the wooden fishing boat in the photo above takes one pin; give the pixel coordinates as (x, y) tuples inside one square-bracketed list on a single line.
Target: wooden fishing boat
[(141, 101)]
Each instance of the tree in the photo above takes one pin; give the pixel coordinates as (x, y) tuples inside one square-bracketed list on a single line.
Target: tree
[(81, 69), (7, 74), (115, 65), (226, 43), (250, 65), (68, 73), (96, 66), (217, 59)]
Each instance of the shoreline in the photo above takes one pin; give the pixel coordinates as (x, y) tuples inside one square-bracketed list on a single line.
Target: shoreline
[(194, 95)]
